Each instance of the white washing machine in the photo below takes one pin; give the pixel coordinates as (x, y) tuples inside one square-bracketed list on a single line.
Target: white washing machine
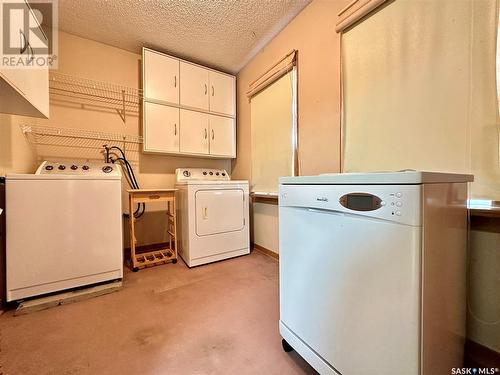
[(372, 271), (64, 228), (212, 216)]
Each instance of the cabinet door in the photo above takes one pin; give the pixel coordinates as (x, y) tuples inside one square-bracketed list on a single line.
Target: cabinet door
[(161, 128), (194, 86), (161, 77), (17, 78), (32, 85), (222, 93), (36, 89), (194, 132), (222, 136), (37, 81)]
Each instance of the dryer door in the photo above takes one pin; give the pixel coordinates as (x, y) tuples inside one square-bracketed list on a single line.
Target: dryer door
[(219, 211)]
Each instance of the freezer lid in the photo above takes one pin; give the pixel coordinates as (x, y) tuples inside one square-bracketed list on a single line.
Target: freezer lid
[(378, 178)]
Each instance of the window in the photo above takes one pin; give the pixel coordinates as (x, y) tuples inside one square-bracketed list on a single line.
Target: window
[(274, 133), (419, 92)]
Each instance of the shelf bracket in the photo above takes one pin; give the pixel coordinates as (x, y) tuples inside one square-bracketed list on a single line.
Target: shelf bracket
[(121, 112)]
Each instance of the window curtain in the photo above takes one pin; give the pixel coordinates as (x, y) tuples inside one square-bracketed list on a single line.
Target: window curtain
[(272, 134), (354, 11), (419, 89)]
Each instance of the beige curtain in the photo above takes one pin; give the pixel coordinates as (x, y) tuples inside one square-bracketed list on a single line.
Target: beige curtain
[(419, 91), (354, 11), (272, 132), (278, 70)]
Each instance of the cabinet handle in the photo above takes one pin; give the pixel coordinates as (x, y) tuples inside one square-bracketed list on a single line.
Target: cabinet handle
[(175, 129), (175, 81), (213, 135), (205, 89), (213, 90), (206, 133)]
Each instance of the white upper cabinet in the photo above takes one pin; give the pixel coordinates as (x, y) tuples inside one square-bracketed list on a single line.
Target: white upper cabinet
[(188, 109), (25, 91), (222, 136), (222, 93), (194, 86), (194, 132), (161, 77), (162, 132)]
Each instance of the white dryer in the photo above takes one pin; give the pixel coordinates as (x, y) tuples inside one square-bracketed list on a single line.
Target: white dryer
[(212, 215)]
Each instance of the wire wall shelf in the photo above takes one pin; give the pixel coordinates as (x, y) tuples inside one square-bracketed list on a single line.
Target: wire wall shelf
[(79, 90), (48, 141)]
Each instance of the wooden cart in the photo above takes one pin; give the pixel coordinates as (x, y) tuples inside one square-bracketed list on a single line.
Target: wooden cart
[(161, 255)]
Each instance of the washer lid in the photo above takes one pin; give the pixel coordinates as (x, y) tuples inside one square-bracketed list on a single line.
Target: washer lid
[(379, 178), (60, 177)]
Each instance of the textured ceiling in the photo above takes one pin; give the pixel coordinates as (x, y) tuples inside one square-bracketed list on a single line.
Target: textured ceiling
[(223, 34)]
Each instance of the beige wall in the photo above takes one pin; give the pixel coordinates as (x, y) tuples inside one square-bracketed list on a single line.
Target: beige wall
[(89, 59), (313, 34), (265, 225), (16, 154)]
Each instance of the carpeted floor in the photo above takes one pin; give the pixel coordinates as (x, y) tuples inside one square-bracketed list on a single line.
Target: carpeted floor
[(220, 318)]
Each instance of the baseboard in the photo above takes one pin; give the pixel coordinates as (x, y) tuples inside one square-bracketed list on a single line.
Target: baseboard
[(265, 251), (477, 355)]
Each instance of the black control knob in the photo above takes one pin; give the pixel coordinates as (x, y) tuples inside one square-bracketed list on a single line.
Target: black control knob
[(211, 173), (62, 167), (74, 167), (204, 173), (85, 167), (107, 168), (216, 173), (49, 167), (186, 173), (223, 174)]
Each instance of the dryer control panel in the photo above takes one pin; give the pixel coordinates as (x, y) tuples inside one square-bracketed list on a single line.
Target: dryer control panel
[(204, 174)]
